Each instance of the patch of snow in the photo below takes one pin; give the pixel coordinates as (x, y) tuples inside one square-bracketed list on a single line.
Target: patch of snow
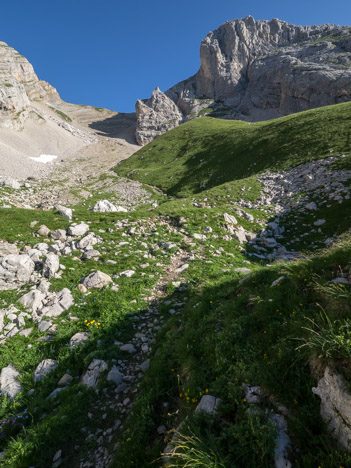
[(44, 158)]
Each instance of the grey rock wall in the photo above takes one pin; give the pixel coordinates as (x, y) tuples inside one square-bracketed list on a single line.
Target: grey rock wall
[(19, 85), (258, 70)]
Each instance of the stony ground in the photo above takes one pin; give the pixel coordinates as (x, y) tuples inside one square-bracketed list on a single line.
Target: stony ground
[(94, 267)]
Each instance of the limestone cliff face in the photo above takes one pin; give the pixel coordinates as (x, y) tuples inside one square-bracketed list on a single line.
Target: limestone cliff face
[(257, 70), (157, 115), (19, 85)]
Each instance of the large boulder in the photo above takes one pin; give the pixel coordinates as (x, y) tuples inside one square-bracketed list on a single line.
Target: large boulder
[(33, 300), (15, 270), (335, 406), (6, 248), (43, 369), (96, 280), (78, 230), (10, 183), (64, 211), (103, 206), (51, 265), (9, 384)]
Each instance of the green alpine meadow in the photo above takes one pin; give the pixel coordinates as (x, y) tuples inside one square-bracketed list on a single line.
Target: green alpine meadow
[(175, 283)]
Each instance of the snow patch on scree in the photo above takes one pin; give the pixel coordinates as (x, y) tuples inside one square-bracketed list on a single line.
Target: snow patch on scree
[(44, 158)]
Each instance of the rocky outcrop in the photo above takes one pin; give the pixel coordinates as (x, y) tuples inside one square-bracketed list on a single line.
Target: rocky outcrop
[(258, 70), (15, 270), (335, 406), (155, 116), (9, 384), (19, 85)]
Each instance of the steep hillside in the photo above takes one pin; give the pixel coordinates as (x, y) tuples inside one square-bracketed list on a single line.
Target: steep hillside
[(190, 307), (38, 130), (120, 318), (255, 70), (220, 151)]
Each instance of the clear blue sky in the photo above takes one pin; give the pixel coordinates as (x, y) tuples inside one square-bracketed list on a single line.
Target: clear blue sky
[(108, 53)]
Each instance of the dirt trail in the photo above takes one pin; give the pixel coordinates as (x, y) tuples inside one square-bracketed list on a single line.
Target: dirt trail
[(146, 325)]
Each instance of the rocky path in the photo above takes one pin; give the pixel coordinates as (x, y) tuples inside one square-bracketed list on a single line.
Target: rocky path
[(146, 326)]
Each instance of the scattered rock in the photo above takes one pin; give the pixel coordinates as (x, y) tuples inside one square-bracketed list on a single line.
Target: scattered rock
[(335, 406), (91, 254), (96, 280), (319, 222), (201, 237), (64, 211), (311, 206), (278, 281), (103, 206), (59, 234), (43, 230), (14, 270), (78, 339), (252, 394), (9, 384), (128, 348), (33, 300), (7, 249), (230, 219), (54, 393), (161, 429), (81, 288), (65, 380), (341, 281), (144, 366), (115, 376), (127, 273), (43, 369), (242, 270), (92, 374), (208, 404), (10, 183), (51, 265), (44, 326), (182, 268), (78, 230), (283, 443)]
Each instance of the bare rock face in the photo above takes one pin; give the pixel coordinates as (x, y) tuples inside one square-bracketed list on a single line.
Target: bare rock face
[(19, 85), (9, 384), (335, 406), (258, 70), (155, 116), (15, 270)]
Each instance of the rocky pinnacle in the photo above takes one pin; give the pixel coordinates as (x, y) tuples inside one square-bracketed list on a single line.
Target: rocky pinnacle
[(255, 70)]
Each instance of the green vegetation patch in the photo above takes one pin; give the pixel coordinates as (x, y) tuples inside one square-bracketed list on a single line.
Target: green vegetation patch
[(61, 114), (230, 333), (219, 151)]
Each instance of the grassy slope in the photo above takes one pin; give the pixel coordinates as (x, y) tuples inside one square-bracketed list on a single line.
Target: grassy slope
[(224, 335), (212, 151), (231, 334)]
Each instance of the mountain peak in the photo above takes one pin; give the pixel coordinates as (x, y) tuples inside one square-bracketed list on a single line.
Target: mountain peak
[(261, 69)]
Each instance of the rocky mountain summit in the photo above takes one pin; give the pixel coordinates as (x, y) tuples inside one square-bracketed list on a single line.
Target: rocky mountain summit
[(19, 85), (255, 70), (208, 272)]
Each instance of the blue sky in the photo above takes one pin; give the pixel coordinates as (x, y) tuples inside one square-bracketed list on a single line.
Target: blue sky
[(108, 53)]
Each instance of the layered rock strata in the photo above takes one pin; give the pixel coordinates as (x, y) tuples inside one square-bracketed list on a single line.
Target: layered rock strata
[(256, 70)]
